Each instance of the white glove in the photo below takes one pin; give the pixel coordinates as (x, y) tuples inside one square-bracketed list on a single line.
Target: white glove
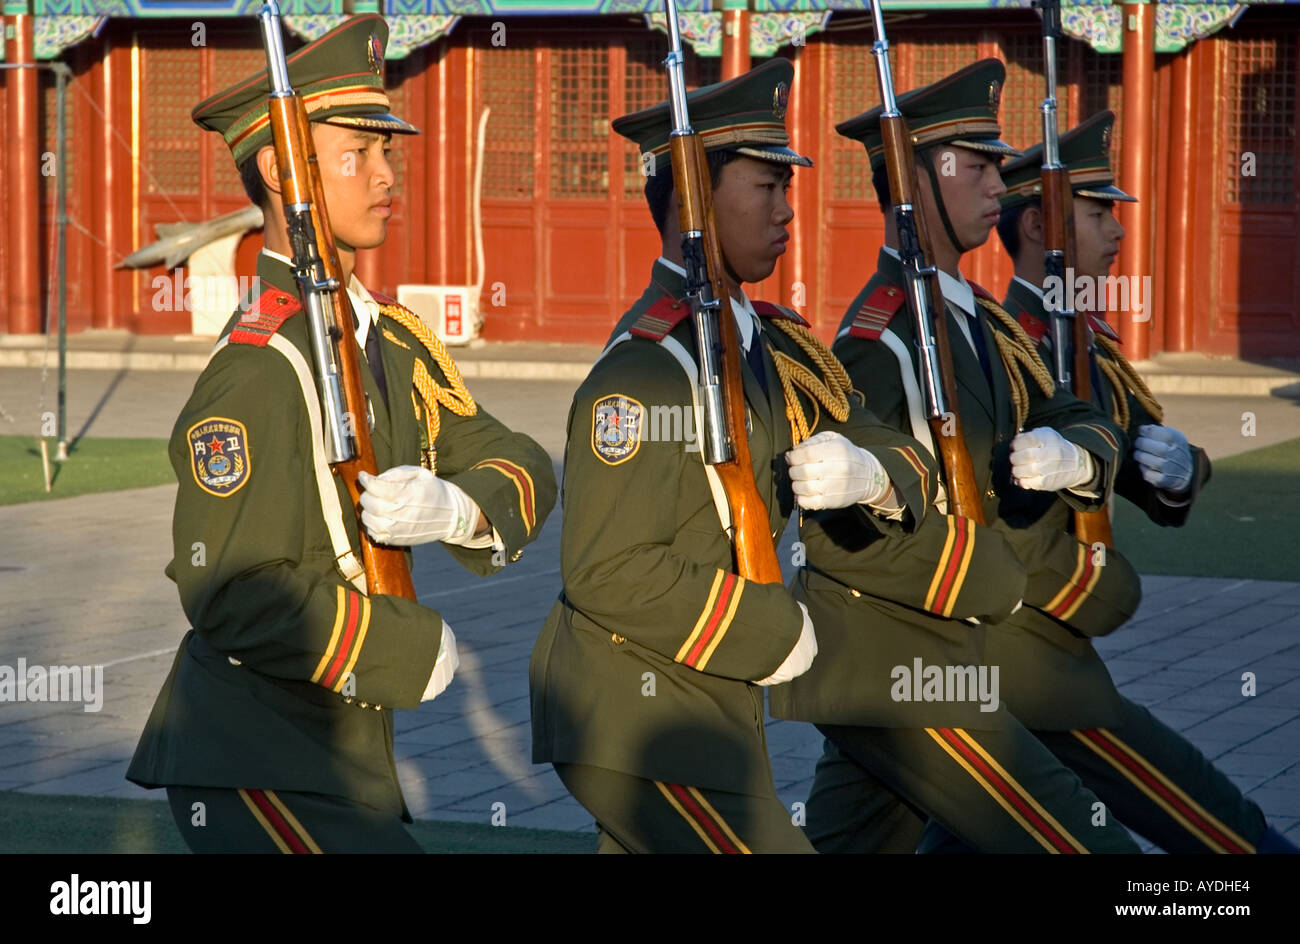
[(801, 657), (1164, 457), (444, 667), (828, 471), (1043, 460), (410, 505)]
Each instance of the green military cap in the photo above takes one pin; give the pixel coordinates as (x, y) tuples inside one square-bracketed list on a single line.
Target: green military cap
[(1085, 152), (961, 109), (340, 78), (745, 114)]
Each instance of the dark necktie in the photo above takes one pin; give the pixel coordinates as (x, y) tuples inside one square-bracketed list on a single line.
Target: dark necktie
[(376, 360), (977, 336), (755, 357)]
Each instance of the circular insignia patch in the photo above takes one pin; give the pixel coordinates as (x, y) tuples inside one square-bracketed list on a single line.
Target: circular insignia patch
[(219, 456), (616, 423), (780, 99), (375, 52)]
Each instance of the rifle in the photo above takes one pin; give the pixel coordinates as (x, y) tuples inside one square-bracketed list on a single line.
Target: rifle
[(725, 442), (921, 285), (1069, 331), (329, 312)]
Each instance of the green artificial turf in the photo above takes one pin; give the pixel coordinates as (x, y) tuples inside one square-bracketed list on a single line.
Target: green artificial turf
[(93, 465), (1244, 523), (33, 822)]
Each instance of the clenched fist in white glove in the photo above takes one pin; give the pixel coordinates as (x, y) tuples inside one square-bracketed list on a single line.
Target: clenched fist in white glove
[(444, 667), (801, 657), (828, 471), (1164, 457), (1043, 460), (410, 505)]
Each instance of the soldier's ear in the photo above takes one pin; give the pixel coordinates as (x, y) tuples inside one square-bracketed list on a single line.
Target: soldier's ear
[(1031, 224), (269, 168)]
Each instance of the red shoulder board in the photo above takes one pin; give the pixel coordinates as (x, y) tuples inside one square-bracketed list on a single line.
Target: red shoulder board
[(264, 317), (1101, 327), (982, 292), (1034, 327), (660, 318), (768, 310), (877, 311)]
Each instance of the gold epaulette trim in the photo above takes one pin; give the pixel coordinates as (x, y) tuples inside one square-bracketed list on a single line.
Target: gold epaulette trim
[(455, 397), (831, 390), (1124, 378), (1018, 351)]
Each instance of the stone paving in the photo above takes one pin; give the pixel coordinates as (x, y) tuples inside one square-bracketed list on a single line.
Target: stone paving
[(81, 580)]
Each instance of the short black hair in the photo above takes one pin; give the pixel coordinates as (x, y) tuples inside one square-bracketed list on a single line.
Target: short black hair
[(250, 175), (1009, 229), (880, 177), (659, 186)]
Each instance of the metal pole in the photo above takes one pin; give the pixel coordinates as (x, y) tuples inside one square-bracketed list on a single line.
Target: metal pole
[(61, 79)]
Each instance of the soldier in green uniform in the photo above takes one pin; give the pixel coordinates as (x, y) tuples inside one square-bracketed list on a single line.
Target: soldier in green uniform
[(274, 729), (903, 688), (647, 680), (1149, 776)]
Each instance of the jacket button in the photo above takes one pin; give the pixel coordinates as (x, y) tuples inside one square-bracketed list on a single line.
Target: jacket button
[(618, 640), (855, 593), (990, 494)]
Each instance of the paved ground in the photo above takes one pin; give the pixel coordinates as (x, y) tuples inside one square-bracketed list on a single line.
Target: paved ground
[(83, 583)]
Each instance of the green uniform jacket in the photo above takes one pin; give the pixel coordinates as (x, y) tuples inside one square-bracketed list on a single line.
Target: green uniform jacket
[(880, 601), (645, 663), (255, 698)]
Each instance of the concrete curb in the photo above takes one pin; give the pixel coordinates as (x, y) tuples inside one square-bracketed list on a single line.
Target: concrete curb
[(1161, 381)]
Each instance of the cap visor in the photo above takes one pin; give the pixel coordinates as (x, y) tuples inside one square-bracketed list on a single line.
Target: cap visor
[(777, 154), (380, 121), (1104, 192), (988, 146)]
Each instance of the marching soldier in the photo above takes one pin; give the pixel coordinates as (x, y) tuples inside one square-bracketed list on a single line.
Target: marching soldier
[(903, 688), (1150, 777), (647, 678), (274, 729)]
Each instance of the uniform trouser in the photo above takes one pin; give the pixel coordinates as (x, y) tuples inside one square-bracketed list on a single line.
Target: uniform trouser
[(997, 791), (639, 815), (1157, 784), (219, 820)]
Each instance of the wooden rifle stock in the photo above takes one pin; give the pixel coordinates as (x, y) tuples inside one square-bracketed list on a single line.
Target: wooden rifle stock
[(1090, 527), (752, 543), (385, 567), (949, 436)]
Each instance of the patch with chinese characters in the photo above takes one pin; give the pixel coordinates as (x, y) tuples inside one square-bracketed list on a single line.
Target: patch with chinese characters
[(219, 456), (616, 428)]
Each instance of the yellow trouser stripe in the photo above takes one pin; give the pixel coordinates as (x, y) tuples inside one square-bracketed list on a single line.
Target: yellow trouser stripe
[(699, 830)]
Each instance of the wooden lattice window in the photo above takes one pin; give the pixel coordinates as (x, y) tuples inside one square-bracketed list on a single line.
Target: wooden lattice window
[(645, 83), (1103, 87), (579, 117), (232, 64), (395, 84), (1022, 96), (507, 86), (854, 89), (1259, 76), (170, 159), (930, 60)]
